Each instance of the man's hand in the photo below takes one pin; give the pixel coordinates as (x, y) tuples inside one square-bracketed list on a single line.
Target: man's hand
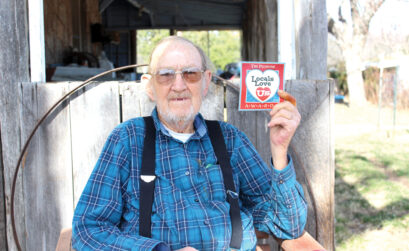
[(285, 119), (187, 249)]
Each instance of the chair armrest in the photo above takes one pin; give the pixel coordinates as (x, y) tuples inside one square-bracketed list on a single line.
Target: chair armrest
[(303, 243), (64, 241)]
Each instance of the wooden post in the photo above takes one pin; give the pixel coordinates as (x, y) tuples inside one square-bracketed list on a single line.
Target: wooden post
[(37, 47), (311, 39), (13, 69), (260, 31), (312, 149)]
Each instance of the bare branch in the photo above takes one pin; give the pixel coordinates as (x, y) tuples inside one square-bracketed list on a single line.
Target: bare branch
[(362, 13)]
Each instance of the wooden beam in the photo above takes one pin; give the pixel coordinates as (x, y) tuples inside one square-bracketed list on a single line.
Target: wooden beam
[(36, 33), (311, 34), (13, 69), (104, 4), (196, 10)]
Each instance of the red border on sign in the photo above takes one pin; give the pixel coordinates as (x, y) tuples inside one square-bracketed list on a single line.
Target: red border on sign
[(245, 66)]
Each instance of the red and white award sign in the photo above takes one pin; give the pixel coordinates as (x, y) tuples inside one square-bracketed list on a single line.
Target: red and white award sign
[(259, 85)]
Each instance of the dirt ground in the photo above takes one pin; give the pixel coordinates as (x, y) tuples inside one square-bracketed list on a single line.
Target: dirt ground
[(351, 121)]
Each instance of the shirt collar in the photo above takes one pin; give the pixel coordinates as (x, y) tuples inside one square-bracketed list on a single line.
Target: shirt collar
[(199, 125)]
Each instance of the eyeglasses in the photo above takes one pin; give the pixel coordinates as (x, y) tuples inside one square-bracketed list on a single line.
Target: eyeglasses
[(167, 76)]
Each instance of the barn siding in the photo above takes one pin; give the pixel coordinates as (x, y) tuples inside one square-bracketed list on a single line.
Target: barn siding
[(13, 70)]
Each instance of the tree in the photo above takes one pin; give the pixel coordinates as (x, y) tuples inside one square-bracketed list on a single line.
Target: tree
[(350, 29), (222, 47), (146, 41)]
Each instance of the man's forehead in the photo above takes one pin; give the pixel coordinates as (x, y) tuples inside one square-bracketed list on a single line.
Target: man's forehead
[(183, 47)]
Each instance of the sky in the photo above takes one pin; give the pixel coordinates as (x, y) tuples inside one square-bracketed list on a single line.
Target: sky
[(392, 16)]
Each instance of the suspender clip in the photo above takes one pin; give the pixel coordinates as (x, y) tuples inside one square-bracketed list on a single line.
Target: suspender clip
[(148, 178), (232, 194)]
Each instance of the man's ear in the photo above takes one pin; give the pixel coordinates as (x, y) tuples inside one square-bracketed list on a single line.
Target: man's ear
[(146, 80), (208, 79)]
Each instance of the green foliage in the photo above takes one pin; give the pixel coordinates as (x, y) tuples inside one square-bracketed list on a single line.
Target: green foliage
[(146, 41), (340, 75), (222, 47)]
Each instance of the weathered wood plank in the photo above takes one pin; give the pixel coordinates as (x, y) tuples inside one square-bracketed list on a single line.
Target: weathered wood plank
[(271, 48), (13, 69), (94, 114), (135, 102), (313, 154), (3, 238), (213, 103), (312, 149), (244, 120), (263, 134), (311, 39), (254, 31), (48, 168)]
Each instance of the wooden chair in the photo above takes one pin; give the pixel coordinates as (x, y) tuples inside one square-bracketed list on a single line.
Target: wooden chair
[(304, 243)]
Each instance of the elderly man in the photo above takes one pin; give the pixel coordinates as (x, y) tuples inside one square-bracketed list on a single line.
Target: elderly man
[(207, 192)]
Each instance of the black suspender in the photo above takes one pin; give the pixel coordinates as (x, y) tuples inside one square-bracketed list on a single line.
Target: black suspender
[(147, 179), (147, 182), (219, 147)]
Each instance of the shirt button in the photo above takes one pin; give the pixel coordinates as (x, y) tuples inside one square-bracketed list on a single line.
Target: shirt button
[(206, 222), (281, 181), (289, 205), (196, 200), (187, 173)]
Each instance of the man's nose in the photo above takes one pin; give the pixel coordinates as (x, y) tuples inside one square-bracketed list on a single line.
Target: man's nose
[(179, 83)]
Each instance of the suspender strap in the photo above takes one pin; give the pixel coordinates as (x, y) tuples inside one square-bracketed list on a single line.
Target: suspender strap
[(147, 179), (219, 147)]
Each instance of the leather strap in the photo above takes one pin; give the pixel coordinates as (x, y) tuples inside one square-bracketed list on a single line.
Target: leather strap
[(219, 147), (147, 179)]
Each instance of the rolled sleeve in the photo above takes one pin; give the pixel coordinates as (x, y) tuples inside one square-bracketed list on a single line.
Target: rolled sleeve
[(287, 216), (286, 175)]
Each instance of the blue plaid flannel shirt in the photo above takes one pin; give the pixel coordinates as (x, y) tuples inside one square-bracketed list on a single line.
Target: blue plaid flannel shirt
[(190, 207)]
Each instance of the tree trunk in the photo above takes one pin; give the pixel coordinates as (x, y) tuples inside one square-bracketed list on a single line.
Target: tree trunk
[(355, 86), (353, 65)]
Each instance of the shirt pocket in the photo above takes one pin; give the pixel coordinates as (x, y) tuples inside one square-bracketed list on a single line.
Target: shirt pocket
[(213, 183)]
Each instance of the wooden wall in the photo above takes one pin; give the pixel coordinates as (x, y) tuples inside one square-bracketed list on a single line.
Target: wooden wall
[(64, 151), (13, 69), (67, 25), (66, 147)]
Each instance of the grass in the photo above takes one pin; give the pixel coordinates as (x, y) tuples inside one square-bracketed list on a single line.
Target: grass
[(371, 184)]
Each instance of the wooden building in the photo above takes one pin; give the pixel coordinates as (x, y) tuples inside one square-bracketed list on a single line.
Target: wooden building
[(36, 33)]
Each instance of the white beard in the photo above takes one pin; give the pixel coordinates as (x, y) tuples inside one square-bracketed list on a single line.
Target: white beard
[(178, 122), (175, 121)]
